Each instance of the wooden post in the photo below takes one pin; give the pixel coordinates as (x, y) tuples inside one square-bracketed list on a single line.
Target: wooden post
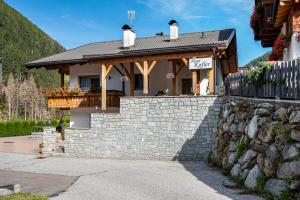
[(132, 79), (194, 81), (103, 90), (211, 79), (146, 86), (62, 79), (174, 82)]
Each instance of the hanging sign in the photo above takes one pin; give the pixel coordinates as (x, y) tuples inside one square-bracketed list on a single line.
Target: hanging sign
[(200, 63)]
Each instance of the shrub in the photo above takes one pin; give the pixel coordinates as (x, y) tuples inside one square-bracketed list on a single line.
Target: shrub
[(241, 147), (19, 127)]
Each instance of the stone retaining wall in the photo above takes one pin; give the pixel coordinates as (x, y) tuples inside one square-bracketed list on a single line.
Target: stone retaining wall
[(259, 142), (167, 128)]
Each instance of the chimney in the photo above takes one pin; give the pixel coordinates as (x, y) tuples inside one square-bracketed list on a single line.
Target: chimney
[(173, 30), (128, 36)]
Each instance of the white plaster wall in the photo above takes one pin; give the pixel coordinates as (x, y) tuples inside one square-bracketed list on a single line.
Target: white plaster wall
[(81, 117), (293, 50)]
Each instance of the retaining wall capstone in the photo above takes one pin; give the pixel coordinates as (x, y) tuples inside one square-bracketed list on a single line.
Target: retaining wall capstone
[(258, 141), (164, 128)]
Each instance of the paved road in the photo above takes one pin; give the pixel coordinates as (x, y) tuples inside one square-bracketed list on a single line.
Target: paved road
[(126, 179), (20, 144)]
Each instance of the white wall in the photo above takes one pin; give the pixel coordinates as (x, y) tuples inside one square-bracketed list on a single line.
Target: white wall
[(81, 117), (293, 50)]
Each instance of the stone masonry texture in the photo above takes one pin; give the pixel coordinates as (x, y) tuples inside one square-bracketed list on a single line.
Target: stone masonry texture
[(160, 128)]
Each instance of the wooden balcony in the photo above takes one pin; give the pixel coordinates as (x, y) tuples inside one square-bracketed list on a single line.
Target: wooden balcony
[(85, 100)]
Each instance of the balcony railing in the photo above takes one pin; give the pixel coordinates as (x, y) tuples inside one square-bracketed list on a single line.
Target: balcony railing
[(84, 100)]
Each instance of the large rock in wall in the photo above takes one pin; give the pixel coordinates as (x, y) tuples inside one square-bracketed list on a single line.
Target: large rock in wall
[(260, 140)]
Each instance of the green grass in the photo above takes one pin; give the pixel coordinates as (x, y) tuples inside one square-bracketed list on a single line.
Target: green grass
[(23, 196)]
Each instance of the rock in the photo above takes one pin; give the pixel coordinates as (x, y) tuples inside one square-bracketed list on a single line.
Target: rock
[(236, 170), (281, 114), (247, 156), (232, 158), (295, 135), (295, 185), (260, 160), (275, 186), (241, 127), (290, 152), (252, 129), (267, 134), (230, 119), (233, 128), (232, 146), (289, 170), (268, 168), (262, 112), (295, 117), (244, 173), (272, 153), (258, 147), (252, 177), (225, 127), (265, 105), (226, 112)]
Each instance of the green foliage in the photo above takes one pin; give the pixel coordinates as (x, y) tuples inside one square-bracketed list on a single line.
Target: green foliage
[(255, 75), (23, 196), (285, 195), (261, 181), (18, 127), (256, 61), (241, 147), (37, 129), (21, 42)]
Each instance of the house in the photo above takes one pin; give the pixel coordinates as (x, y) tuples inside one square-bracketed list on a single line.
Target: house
[(161, 65), (276, 23)]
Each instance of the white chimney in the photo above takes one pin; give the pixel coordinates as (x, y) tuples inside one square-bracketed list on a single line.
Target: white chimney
[(128, 36), (173, 29)]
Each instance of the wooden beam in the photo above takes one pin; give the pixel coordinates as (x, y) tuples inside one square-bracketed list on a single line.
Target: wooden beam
[(171, 56), (174, 80), (185, 61), (108, 70), (151, 66), (126, 70), (194, 81), (132, 79), (103, 90), (146, 76), (179, 70), (121, 73), (139, 67), (211, 78)]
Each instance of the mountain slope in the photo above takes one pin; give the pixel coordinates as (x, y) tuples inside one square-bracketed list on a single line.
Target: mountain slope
[(255, 61), (20, 42)]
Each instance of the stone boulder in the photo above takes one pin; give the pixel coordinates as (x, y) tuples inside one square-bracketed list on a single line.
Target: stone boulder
[(232, 158), (295, 135), (252, 128), (281, 114), (290, 151), (236, 170), (272, 153), (232, 146), (275, 186), (241, 127), (233, 129), (244, 173), (267, 134), (247, 156), (289, 170), (265, 105), (262, 112), (295, 117), (252, 177), (269, 168)]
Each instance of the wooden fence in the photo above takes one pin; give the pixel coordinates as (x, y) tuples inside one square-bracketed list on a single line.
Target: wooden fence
[(281, 82)]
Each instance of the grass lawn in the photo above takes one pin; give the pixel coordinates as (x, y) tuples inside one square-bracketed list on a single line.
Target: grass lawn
[(23, 196)]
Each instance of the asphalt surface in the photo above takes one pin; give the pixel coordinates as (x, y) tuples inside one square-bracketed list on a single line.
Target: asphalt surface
[(117, 179)]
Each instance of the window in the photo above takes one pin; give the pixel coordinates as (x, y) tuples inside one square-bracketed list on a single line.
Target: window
[(89, 83), (139, 82)]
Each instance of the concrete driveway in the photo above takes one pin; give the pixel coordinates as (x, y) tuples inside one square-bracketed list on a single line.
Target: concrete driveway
[(125, 179)]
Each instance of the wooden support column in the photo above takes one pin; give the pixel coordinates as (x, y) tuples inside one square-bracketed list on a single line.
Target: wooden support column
[(104, 71), (194, 81), (211, 78), (145, 71), (132, 79), (62, 79), (174, 80)]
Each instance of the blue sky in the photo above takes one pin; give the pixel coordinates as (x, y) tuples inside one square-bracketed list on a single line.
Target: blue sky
[(76, 22)]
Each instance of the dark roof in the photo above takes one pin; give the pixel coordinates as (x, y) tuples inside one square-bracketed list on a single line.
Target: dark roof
[(143, 46)]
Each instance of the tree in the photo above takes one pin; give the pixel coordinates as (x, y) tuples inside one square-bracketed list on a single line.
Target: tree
[(10, 91)]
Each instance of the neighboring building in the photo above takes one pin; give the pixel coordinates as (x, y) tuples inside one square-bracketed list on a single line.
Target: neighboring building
[(174, 65), (277, 24)]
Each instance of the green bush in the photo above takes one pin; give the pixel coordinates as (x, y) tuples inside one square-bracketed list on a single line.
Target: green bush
[(19, 127), (23, 196)]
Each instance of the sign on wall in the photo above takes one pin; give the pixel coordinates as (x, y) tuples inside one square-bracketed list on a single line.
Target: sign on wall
[(200, 63)]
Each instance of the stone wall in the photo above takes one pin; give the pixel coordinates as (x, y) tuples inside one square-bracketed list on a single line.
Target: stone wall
[(49, 140), (167, 128), (258, 141)]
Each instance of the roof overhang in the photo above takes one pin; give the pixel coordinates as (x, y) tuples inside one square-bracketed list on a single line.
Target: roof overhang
[(281, 11)]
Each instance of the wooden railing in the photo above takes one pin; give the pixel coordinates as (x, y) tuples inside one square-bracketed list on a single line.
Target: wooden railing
[(281, 82), (85, 100)]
